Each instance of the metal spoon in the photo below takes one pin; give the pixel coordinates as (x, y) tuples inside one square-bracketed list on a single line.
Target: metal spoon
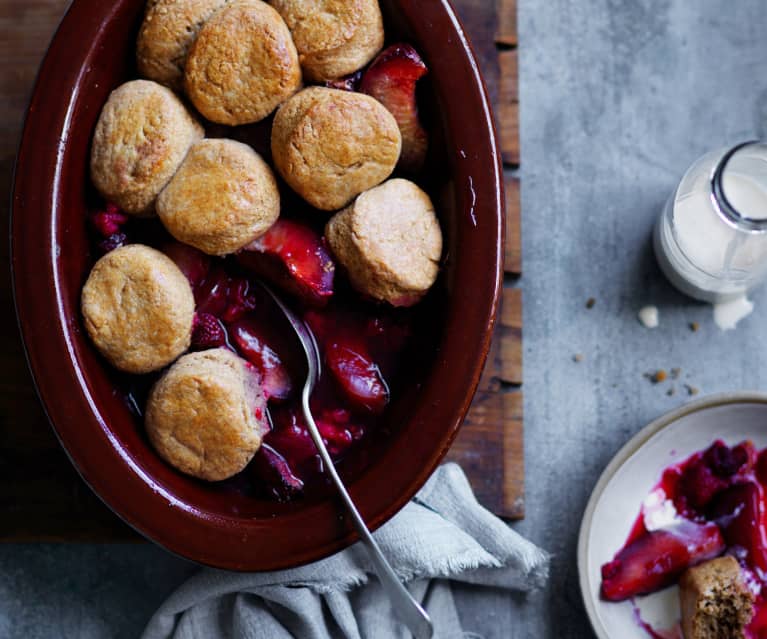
[(409, 610)]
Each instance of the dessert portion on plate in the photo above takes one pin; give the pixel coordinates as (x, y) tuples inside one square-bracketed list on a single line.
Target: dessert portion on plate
[(328, 211), (704, 526)]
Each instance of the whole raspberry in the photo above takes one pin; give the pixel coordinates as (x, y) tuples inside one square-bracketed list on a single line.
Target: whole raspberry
[(109, 221), (208, 332)]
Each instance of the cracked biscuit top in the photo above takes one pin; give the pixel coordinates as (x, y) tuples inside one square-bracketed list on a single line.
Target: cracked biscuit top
[(333, 37), (138, 308), (223, 197), (168, 31), (207, 415), (142, 135), (242, 65), (330, 145)]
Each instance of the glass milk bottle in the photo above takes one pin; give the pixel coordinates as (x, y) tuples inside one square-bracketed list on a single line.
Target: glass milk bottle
[(711, 239)]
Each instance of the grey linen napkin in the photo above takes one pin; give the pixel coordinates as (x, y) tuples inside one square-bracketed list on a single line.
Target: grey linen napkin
[(442, 535)]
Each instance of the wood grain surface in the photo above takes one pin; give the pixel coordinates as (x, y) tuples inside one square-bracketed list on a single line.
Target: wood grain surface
[(490, 446), (41, 496)]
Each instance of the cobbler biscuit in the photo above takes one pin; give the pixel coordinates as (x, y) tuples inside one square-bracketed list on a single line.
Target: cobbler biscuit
[(222, 197), (138, 308), (331, 145), (168, 31), (242, 65), (715, 600), (389, 242), (142, 135), (207, 415), (333, 37)]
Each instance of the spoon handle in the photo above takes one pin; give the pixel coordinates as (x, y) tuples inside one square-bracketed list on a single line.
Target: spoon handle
[(409, 610)]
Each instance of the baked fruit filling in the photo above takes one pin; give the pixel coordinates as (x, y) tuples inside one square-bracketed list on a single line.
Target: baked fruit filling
[(310, 201), (361, 342), (710, 505)]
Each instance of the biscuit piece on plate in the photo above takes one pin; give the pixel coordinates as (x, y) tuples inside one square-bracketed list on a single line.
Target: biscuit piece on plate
[(207, 415), (715, 601), (142, 135), (333, 37), (389, 242), (168, 31), (242, 65), (138, 308), (222, 197), (330, 145)]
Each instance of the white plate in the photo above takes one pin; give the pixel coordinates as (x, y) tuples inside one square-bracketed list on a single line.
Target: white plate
[(629, 478)]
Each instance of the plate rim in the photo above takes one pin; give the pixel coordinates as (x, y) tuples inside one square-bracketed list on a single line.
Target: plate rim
[(621, 457)]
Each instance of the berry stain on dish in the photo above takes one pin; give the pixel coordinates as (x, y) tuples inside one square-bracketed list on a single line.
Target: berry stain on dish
[(710, 505)]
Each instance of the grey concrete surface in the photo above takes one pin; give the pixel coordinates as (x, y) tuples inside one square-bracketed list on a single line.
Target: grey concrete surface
[(618, 97)]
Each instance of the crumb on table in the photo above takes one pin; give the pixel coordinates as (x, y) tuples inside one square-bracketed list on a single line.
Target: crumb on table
[(649, 316)]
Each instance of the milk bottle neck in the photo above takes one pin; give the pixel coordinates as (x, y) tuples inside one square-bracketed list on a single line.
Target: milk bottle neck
[(739, 187)]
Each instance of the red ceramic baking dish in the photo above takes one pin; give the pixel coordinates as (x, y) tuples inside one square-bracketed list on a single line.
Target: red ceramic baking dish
[(92, 53)]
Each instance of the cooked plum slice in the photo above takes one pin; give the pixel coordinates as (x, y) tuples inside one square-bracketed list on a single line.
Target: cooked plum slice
[(275, 472), (193, 263), (391, 79), (656, 559), (253, 345), (291, 437), (294, 258), (347, 341), (357, 375), (740, 513)]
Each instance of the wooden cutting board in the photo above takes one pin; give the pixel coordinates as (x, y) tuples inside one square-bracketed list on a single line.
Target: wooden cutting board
[(41, 496)]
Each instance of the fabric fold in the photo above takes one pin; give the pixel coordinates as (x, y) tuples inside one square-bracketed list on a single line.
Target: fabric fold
[(443, 535)]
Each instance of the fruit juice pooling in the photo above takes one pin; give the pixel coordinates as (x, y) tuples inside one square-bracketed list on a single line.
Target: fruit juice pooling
[(712, 503), (359, 351), (361, 344)]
